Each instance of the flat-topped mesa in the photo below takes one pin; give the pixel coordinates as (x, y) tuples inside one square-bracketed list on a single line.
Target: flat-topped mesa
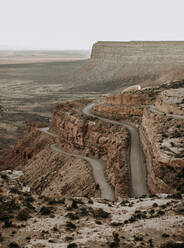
[(119, 51)]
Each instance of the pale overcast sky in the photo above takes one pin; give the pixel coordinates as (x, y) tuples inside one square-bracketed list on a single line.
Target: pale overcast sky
[(77, 24)]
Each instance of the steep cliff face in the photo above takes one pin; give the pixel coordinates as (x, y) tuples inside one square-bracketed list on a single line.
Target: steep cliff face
[(118, 51), (162, 138), (146, 63), (130, 98), (128, 114), (90, 136), (116, 112)]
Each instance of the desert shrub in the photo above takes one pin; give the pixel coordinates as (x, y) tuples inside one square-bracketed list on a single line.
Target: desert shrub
[(15, 190), (5, 177), (23, 215), (70, 226), (29, 199), (171, 244), (45, 210), (12, 205), (13, 245), (1, 238), (100, 213), (72, 245)]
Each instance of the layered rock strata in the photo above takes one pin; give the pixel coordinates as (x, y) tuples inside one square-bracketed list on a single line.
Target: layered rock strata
[(130, 63), (162, 138), (119, 51), (119, 112)]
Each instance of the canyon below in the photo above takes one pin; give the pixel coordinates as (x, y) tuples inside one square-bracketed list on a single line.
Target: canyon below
[(92, 149)]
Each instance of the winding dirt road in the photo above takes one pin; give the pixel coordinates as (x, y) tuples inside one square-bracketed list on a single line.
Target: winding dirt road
[(137, 167), (97, 165)]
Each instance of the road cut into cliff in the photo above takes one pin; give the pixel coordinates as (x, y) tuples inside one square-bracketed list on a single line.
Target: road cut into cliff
[(137, 166)]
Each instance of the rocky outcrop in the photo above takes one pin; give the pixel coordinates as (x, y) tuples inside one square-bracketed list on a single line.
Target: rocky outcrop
[(119, 51), (171, 101), (118, 112), (162, 131), (134, 97), (128, 99)]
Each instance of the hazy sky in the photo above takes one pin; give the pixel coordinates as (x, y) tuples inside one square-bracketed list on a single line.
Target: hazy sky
[(76, 24)]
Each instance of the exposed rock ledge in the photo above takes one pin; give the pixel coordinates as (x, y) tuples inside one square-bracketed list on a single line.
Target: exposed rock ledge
[(171, 101)]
